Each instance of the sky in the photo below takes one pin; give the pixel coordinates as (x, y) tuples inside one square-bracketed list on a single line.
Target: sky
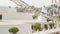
[(36, 3)]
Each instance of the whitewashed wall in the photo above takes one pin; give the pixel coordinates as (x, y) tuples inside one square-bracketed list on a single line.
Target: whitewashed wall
[(24, 29), (16, 16), (7, 9)]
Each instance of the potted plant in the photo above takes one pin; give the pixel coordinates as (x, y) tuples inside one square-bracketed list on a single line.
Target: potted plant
[(13, 30), (51, 25), (46, 26), (58, 19), (37, 26)]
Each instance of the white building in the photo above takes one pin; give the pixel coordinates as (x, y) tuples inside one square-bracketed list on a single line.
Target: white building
[(23, 20), (11, 18), (8, 14)]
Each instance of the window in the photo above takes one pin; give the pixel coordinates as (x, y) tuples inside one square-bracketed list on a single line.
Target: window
[(32, 27), (35, 16), (0, 17), (47, 19)]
